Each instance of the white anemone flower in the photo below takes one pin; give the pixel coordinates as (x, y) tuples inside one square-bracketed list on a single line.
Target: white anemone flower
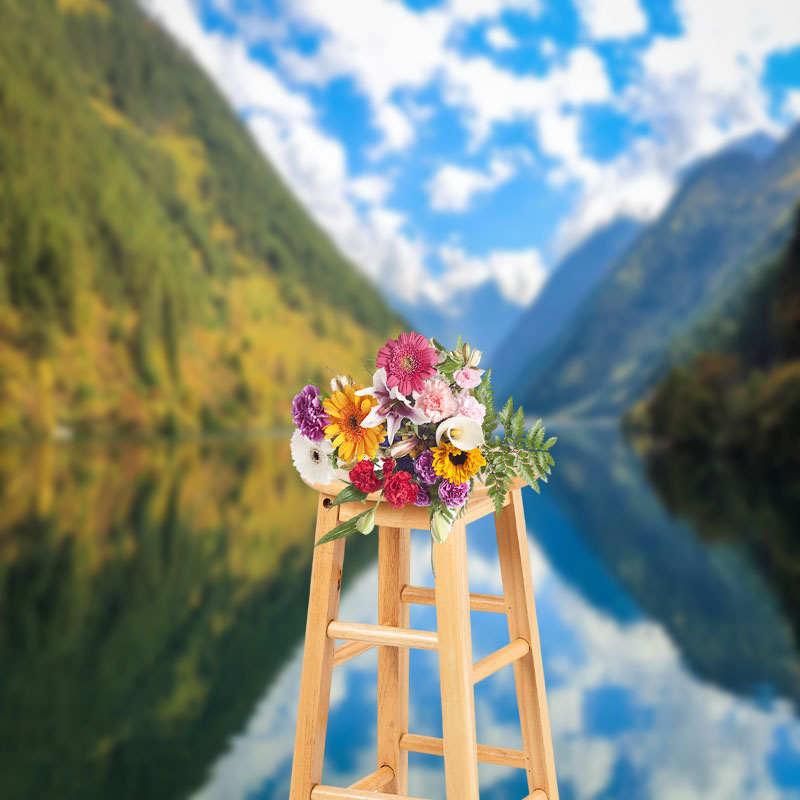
[(312, 459), (463, 432)]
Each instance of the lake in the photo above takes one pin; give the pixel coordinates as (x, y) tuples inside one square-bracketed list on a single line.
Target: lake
[(153, 600)]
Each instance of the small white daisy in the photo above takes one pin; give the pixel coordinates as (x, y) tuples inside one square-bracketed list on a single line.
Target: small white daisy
[(312, 459)]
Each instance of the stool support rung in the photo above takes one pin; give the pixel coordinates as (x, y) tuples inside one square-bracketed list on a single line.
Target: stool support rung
[(537, 794), (332, 793), (344, 652), (383, 634), (376, 780), (433, 746), (494, 662), (423, 596)]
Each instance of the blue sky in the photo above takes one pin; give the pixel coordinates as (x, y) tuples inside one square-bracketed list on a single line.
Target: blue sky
[(446, 144)]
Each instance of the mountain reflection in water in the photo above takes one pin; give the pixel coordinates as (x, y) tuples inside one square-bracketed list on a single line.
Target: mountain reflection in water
[(152, 609)]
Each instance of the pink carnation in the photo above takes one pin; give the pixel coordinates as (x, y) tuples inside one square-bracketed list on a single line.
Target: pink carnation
[(468, 378), (468, 406), (437, 400)]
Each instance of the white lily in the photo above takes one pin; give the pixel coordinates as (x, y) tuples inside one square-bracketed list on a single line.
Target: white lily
[(392, 407), (463, 432)]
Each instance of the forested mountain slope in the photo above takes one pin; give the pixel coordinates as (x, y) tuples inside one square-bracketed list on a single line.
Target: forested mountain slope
[(723, 218), (155, 273), (739, 396)]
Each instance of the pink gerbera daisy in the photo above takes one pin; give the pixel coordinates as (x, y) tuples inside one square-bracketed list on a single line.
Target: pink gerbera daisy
[(408, 361)]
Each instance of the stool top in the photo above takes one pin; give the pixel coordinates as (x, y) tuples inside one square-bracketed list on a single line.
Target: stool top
[(479, 505)]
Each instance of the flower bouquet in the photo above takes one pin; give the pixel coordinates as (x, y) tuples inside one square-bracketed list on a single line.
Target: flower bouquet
[(422, 433)]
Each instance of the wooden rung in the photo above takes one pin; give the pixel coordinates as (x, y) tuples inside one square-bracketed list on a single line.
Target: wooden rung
[(377, 780), (383, 634), (432, 746), (537, 794), (332, 793), (499, 659), (344, 652), (423, 596)]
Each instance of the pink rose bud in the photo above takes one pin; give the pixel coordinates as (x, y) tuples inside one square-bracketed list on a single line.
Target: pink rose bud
[(468, 378)]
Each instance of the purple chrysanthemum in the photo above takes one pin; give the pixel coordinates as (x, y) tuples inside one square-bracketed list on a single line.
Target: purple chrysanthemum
[(453, 495), (309, 415), (423, 466), (423, 497)]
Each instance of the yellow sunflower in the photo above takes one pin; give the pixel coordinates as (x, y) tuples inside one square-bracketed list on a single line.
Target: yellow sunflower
[(346, 412), (457, 466)]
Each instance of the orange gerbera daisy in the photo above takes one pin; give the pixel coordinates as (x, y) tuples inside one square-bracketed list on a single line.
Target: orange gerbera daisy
[(346, 412)]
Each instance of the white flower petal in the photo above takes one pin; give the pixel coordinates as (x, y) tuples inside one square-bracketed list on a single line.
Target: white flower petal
[(462, 432), (312, 459), (373, 419), (392, 424)]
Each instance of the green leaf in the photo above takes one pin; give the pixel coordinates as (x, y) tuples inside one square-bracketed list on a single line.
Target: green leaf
[(348, 495), (550, 442), (345, 529), (518, 424), (508, 410)]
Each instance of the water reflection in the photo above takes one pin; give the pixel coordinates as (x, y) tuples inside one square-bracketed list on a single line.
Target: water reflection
[(152, 606), (148, 594)]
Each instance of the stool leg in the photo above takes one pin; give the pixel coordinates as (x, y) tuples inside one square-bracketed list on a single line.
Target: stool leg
[(455, 665), (515, 566), (315, 681), (393, 574)]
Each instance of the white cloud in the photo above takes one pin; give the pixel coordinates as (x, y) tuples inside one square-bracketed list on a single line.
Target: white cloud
[(370, 44), (519, 274), (398, 132), (791, 104), (452, 188), (489, 95), (474, 10), (499, 38), (371, 189), (695, 93), (612, 19)]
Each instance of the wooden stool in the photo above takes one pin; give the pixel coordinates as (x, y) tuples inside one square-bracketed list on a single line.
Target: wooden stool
[(453, 641)]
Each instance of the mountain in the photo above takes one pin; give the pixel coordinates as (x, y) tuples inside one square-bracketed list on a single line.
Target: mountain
[(722, 219), (155, 273), (570, 282), (739, 394)]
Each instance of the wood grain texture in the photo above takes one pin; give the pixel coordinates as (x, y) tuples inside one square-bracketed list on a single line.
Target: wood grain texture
[(455, 665), (332, 793), (344, 652), (315, 680), (383, 634), (394, 566), (422, 595), (505, 756), (375, 781), (515, 568), (516, 649)]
